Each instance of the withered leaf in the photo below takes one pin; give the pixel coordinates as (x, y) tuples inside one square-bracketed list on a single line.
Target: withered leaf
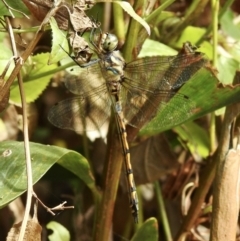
[(80, 21), (63, 12), (80, 48), (32, 232)]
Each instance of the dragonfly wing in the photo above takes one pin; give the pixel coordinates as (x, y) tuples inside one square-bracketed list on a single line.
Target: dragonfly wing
[(151, 82), (172, 113), (164, 72), (84, 80), (142, 105), (81, 113)]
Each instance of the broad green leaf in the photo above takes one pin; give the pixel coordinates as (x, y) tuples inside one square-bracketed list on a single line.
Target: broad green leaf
[(16, 7), (192, 34), (204, 94), (228, 26), (153, 48), (147, 232), (60, 233), (13, 180), (226, 69), (196, 138), (59, 41), (36, 77)]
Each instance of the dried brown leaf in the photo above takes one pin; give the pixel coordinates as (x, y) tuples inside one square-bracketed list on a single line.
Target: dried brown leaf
[(62, 12), (32, 232), (80, 48), (39, 8), (80, 21)]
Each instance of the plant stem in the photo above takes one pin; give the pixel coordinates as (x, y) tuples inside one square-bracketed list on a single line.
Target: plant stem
[(119, 27), (26, 138), (215, 9), (112, 173), (162, 210), (155, 14), (132, 34), (227, 4)]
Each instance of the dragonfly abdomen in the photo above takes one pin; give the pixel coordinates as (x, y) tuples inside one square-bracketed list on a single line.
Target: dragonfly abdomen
[(133, 199)]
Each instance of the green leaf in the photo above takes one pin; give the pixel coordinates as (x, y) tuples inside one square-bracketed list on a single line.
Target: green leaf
[(196, 138), (234, 51), (226, 69), (193, 34), (153, 48), (59, 41), (228, 26), (35, 77), (16, 7), (13, 180), (148, 231), (204, 94), (60, 233)]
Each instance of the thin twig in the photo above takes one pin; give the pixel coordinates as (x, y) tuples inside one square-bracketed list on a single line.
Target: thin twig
[(59, 207), (14, 74), (25, 133)]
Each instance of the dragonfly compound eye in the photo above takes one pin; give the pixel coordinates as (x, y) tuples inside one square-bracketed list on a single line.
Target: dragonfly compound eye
[(110, 43)]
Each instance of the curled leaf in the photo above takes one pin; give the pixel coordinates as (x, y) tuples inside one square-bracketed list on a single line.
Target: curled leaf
[(128, 8)]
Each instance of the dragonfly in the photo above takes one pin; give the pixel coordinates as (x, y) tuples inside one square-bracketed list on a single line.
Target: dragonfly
[(135, 92)]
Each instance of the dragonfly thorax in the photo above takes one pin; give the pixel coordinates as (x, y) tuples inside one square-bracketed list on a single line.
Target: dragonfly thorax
[(112, 65), (114, 87)]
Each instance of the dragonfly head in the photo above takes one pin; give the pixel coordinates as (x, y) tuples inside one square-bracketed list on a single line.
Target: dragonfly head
[(109, 42)]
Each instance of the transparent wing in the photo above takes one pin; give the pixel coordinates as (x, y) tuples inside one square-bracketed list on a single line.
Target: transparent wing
[(163, 72), (141, 107), (179, 109), (151, 82), (81, 81), (84, 113)]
